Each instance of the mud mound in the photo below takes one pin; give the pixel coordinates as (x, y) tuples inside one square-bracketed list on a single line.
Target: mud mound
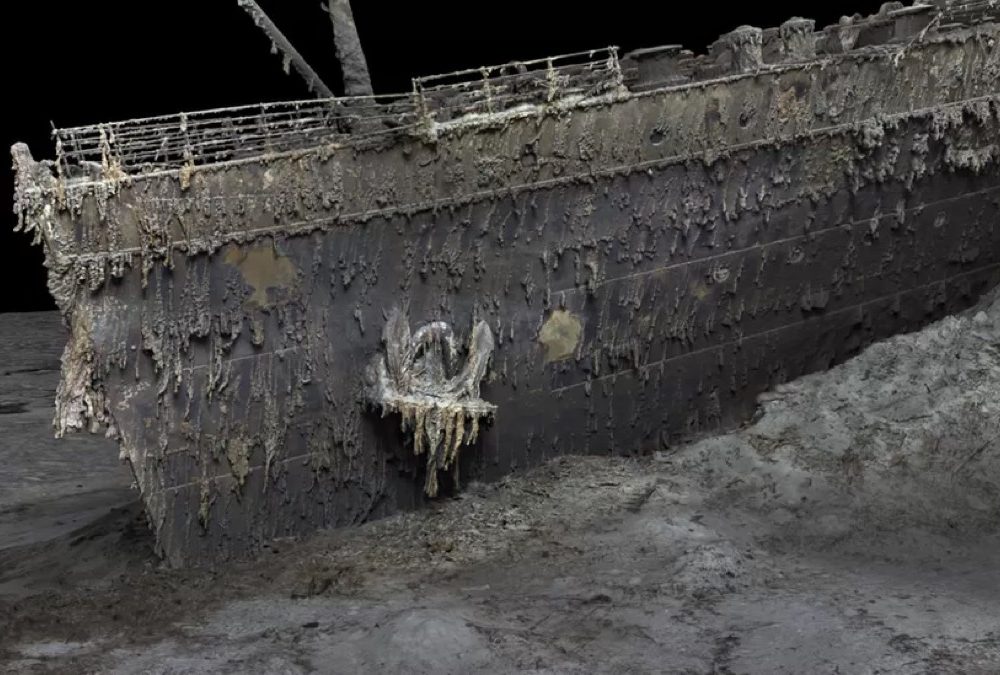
[(95, 553), (905, 435)]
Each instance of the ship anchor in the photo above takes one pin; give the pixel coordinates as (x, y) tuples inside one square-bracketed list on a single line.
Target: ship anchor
[(418, 376)]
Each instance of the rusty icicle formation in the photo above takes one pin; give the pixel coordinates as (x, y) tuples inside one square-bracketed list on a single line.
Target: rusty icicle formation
[(641, 245)]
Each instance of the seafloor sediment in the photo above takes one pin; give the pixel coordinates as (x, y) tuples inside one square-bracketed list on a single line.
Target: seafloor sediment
[(851, 528)]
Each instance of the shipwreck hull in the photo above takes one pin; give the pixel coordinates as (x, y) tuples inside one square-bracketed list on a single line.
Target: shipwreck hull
[(648, 264)]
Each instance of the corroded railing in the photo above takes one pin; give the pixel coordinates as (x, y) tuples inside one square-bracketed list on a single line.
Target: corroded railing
[(495, 89), (230, 133), (224, 134)]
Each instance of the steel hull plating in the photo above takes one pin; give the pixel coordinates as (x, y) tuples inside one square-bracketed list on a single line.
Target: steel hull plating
[(648, 264)]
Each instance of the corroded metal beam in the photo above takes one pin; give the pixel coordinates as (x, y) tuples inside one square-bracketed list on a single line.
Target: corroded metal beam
[(290, 55)]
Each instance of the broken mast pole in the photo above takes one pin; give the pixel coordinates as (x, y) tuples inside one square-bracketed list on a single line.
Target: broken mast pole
[(357, 80), (290, 55)]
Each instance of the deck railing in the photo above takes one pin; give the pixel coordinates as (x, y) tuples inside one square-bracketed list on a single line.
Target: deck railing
[(225, 134)]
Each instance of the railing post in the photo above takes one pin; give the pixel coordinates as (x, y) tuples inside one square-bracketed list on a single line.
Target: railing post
[(426, 120), (615, 66), (552, 80), (487, 90)]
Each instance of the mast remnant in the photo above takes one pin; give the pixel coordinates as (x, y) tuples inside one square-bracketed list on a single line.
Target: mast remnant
[(290, 55), (357, 80)]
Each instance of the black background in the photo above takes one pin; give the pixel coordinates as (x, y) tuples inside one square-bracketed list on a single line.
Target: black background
[(72, 62)]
